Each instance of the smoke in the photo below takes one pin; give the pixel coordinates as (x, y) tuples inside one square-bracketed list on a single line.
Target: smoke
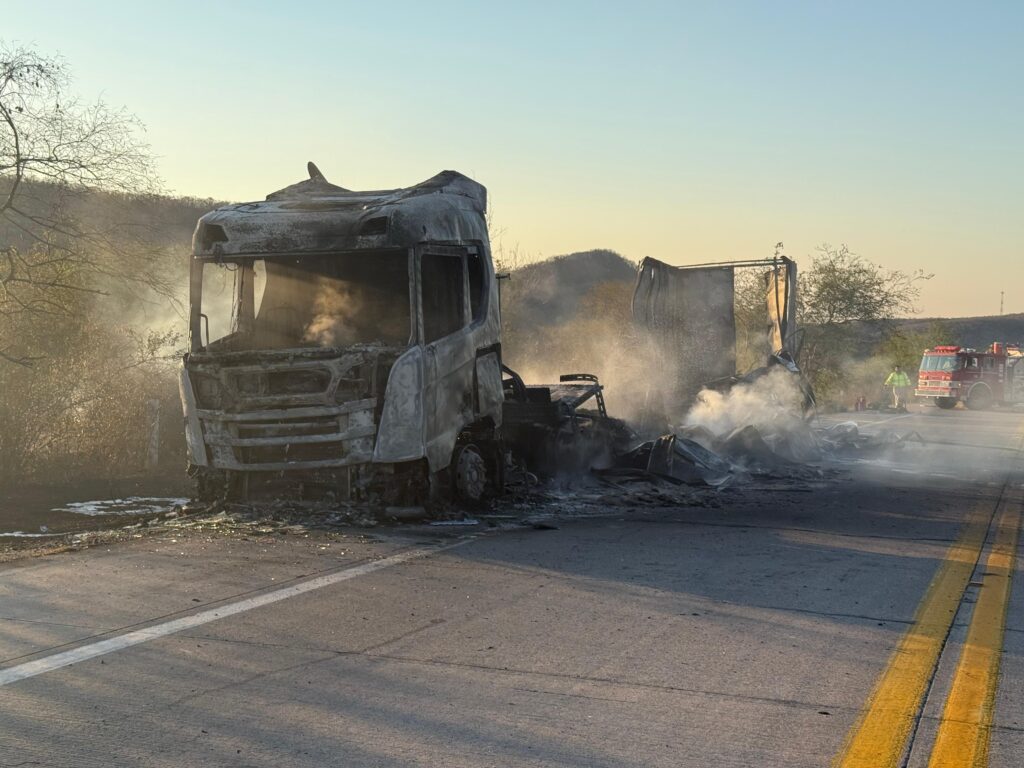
[(772, 403), (336, 307), (649, 377), (628, 367)]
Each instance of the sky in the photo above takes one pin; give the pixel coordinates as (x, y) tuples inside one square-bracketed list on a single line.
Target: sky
[(690, 132)]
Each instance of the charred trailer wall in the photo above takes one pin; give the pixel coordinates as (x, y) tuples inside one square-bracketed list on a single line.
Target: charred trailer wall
[(689, 314), (781, 282)]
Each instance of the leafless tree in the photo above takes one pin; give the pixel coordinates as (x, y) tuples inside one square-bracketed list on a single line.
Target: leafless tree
[(55, 151)]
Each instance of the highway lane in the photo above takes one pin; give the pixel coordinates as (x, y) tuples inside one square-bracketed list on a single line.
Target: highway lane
[(756, 633)]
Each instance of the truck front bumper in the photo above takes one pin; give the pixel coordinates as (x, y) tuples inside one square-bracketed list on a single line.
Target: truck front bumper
[(938, 389)]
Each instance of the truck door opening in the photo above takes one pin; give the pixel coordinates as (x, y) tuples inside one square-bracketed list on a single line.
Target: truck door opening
[(443, 287)]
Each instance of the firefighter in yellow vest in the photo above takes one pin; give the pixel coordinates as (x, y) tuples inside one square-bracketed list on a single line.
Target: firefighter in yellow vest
[(900, 383)]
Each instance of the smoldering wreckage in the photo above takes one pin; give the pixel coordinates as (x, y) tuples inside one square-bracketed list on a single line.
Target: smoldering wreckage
[(345, 348)]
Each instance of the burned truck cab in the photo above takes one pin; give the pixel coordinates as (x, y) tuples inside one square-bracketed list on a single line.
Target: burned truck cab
[(345, 344)]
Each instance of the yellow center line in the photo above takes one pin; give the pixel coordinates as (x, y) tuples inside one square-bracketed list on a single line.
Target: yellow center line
[(966, 723), (878, 738)]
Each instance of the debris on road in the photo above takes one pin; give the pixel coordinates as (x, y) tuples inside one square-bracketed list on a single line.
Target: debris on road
[(673, 458), (132, 505), (846, 438)]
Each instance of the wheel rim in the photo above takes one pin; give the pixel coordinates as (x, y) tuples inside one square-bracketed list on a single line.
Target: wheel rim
[(470, 474)]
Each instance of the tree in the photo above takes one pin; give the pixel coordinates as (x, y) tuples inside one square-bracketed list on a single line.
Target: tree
[(905, 348), (847, 304), (54, 151), (842, 287)]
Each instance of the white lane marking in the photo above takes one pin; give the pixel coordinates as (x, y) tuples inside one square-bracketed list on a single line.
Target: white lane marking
[(120, 642)]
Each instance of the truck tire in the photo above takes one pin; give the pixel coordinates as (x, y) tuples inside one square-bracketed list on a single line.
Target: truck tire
[(469, 470), (475, 473), (946, 402), (218, 485), (980, 398)]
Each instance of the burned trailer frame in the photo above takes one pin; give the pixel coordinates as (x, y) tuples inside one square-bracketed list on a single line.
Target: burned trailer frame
[(780, 293), (300, 392), (689, 313)]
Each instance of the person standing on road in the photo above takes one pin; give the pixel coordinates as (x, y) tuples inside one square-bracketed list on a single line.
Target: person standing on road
[(900, 383)]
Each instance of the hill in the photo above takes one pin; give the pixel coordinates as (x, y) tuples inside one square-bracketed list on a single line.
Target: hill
[(548, 292), (159, 219), (977, 332)]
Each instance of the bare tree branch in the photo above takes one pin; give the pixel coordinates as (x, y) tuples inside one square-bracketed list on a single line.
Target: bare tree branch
[(55, 152)]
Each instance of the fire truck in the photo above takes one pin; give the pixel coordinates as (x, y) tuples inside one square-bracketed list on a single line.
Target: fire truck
[(979, 380)]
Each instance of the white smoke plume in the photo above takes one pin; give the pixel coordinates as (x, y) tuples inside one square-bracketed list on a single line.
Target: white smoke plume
[(771, 404), (335, 309)]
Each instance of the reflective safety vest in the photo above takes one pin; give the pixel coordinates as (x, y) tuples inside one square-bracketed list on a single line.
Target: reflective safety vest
[(897, 379)]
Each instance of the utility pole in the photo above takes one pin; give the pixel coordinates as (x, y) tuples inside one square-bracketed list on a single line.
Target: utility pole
[(1001, 294)]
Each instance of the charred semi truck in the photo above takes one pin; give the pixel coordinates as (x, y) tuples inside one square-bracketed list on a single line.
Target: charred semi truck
[(345, 340), (348, 343)]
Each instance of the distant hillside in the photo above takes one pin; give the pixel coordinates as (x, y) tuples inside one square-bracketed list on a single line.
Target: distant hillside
[(162, 219), (548, 292), (977, 332)]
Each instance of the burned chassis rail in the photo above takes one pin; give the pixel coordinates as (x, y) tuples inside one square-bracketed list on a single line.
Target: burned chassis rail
[(585, 393), (549, 433)]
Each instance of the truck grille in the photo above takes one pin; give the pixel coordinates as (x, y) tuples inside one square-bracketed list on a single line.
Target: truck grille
[(270, 383), (291, 438), (290, 409)]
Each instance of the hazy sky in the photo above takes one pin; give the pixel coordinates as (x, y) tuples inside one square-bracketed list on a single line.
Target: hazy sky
[(685, 131)]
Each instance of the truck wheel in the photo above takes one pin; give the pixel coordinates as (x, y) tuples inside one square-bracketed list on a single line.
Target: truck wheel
[(470, 474), (946, 402), (217, 485), (210, 484), (980, 398)]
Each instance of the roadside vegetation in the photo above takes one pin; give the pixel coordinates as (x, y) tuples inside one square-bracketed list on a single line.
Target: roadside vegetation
[(849, 307), (92, 266)]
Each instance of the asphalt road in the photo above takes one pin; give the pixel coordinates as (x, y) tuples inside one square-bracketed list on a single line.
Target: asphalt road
[(838, 622)]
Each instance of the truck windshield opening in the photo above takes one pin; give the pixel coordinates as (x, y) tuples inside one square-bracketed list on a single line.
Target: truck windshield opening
[(335, 300), (940, 363)]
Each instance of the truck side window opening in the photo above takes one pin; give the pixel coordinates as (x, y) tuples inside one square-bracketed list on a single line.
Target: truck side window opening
[(218, 300), (476, 285), (443, 297)]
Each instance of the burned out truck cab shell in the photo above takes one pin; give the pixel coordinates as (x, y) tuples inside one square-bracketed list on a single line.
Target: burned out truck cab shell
[(363, 339)]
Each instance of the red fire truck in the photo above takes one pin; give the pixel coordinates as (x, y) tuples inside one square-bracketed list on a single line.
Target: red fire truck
[(978, 379)]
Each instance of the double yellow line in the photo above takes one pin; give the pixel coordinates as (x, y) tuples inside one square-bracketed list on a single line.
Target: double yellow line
[(879, 738), (967, 717)]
